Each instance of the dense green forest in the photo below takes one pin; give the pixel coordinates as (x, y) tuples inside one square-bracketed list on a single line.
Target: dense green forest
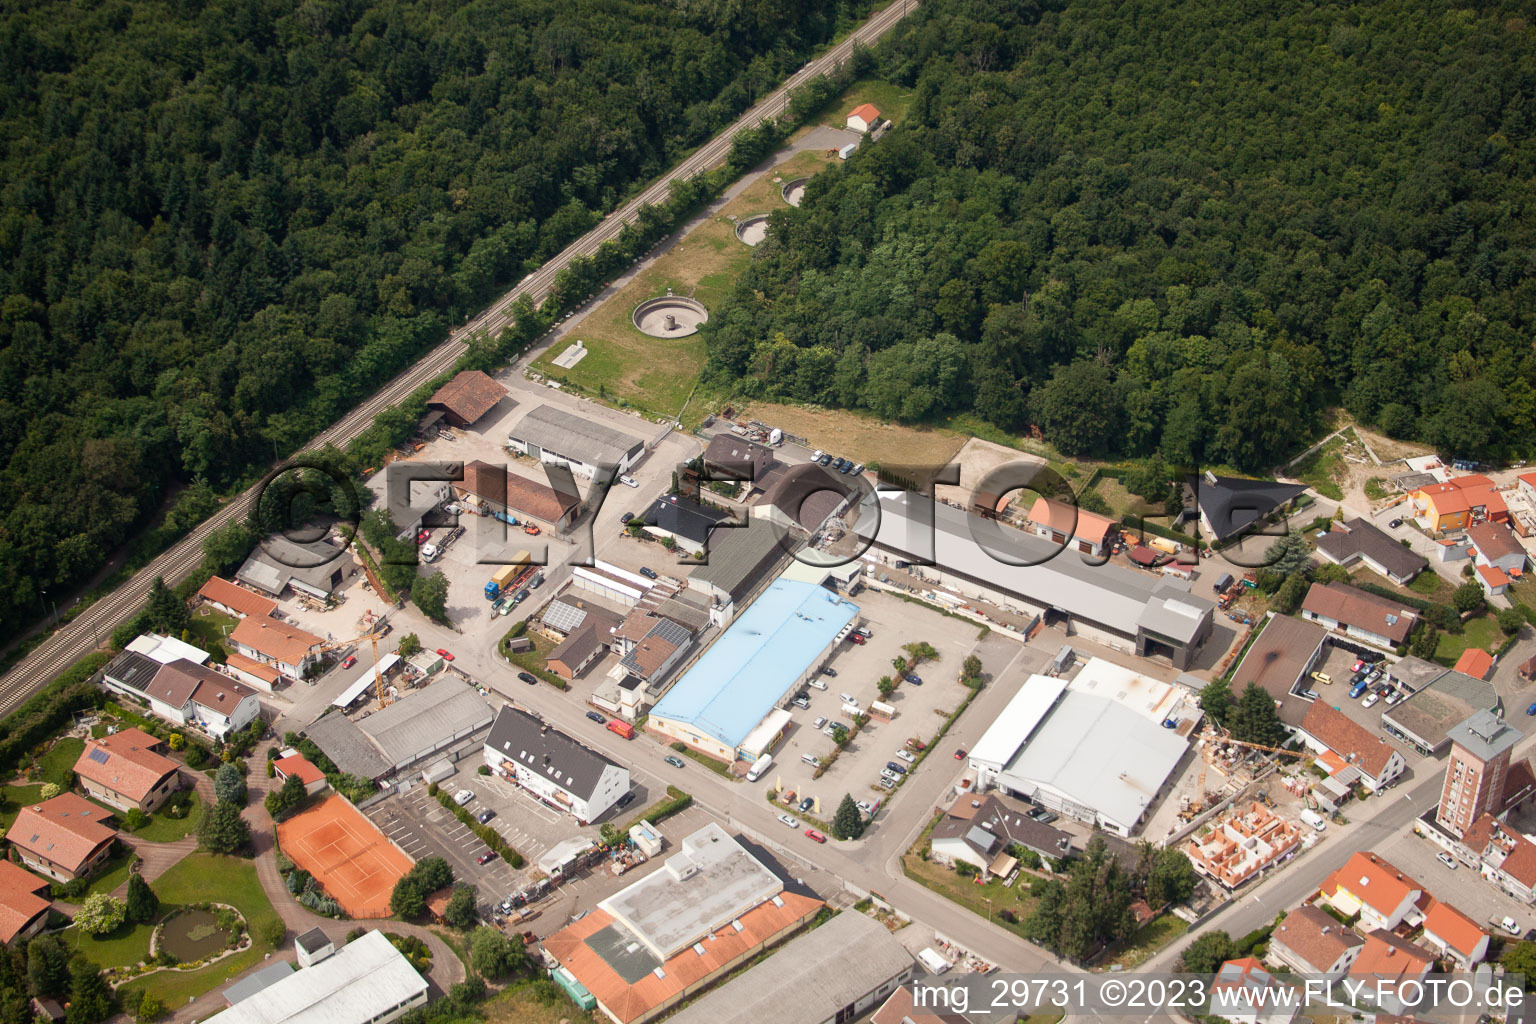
[(222, 223), (1185, 227)]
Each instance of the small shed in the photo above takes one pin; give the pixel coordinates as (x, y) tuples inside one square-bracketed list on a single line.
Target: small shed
[(863, 118)]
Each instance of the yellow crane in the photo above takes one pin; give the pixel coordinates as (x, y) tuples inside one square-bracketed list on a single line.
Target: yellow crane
[(372, 636), (1208, 740)]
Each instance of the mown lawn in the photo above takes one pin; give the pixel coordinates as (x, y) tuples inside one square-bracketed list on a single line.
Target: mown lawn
[(58, 765), (1147, 940), (123, 948), (113, 874), (889, 98), (17, 797), (163, 828), (973, 897), (1482, 632), (201, 878)]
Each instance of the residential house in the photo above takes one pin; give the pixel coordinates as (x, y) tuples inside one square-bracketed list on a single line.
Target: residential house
[(233, 599), (729, 457), (685, 521), (467, 397), (183, 692), (1359, 541), (23, 904), (1230, 505), (557, 769), (588, 639), (1241, 845), (1508, 859), (1454, 935), (299, 765), (1072, 527), (1526, 485), (1309, 940), (289, 649), (1498, 558), (1371, 887), (1359, 615), (1358, 754), (982, 831), (863, 118), (64, 838), (126, 770), (1244, 992), (658, 652), (1385, 962), (1457, 504)]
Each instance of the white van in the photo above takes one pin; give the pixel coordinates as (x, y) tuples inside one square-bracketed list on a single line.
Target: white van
[(429, 552), (849, 698), (759, 766), (811, 759), (817, 684), (1315, 820)]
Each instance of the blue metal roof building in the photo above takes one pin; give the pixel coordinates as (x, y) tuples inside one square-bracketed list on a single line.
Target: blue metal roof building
[(769, 650)]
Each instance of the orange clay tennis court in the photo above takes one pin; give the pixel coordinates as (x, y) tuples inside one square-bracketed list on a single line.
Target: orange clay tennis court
[(346, 852)]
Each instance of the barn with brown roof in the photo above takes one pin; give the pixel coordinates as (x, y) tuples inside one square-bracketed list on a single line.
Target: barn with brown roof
[(467, 397)]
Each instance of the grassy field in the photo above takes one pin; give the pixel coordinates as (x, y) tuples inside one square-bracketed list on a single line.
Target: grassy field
[(163, 828), (859, 435), (1482, 632), (1323, 469), (198, 878), (535, 1002), (113, 874), (968, 894), (58, 765), (17, 797), (631, 369), (209, 627), (1145, 941), (123, 948), (890, 99)]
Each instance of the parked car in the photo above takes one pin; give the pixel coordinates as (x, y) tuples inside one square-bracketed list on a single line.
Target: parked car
[(865, 807), (649, 573), (485, 815), (1309, 694), (960, 754), (801, 703), (914, 680), (629, 481), (1371, 700), (906, 755), (423, 536), (528, 678), (916, 744), (858, 639), (536, 582), (806, 805), (898, 768), (1041, 815), (1531, 710), (818, 723), (627, 799), (599, 719), (814, 836), (1446, 859), (886, 782), (791, 822), (463, 797), (520, 596), (849, 698), (825, 460), (486, 857), (1356, 691), (349, 661), (1394, 524), (1322, 677), (675, 762), (626, 517), (829, 672), (1393, 697), (816, 455), (829, 730), (446, 654), (864, 632)]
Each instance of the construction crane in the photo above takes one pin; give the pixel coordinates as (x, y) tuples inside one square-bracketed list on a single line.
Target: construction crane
[(375, 630), (1208, 740)]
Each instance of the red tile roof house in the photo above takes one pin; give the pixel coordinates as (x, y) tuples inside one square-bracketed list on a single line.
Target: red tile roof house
[(1379, 892), (1357, 614), (233, 599), (297, 764), (1508, 858), (1385, 962), (127, 771), (64, 838), (1309, 940), (286, 648), (23, 908), (1455, 935), (864, 117), (1244, 992), (1368, 758)]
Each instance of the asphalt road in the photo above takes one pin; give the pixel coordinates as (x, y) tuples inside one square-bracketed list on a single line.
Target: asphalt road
[(93, 626)]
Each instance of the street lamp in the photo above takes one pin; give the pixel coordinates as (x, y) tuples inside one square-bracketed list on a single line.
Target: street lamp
[(988, 902)]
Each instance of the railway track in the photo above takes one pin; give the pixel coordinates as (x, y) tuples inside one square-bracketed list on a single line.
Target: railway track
[(88, 631)]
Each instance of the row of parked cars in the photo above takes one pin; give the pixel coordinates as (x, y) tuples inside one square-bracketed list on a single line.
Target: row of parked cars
[(833, 462)]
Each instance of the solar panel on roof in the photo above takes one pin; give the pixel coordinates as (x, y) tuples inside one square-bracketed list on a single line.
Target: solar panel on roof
[(563, 617), (99, 756)]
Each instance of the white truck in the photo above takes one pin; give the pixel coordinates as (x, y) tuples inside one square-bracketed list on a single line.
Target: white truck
[(1315, 820), (759, 767)]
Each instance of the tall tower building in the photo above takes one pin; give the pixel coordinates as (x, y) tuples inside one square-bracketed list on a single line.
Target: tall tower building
[(1476, 772)]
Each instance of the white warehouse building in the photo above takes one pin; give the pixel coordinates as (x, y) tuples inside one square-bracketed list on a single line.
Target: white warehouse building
[(552, 766), (565, 439), (367, 981)]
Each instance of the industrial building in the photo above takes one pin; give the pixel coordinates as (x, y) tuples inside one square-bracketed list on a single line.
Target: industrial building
[(563, 438), (420, 724), (495, 491), (972, 556), (557, 769), (737, 562), (466, 398), (1440, 699), (1282, 653), (1231, 505), (667, 936), (766, 654), (1089, 757), (838, 972), (317, 569), (367, 981), (686, 522)]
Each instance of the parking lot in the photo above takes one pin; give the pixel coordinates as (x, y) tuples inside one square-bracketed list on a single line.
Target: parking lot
[(920, 710), (1338, 664), (1463, 887)]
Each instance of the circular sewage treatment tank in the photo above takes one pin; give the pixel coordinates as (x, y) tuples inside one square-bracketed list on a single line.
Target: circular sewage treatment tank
[(794, 191), (754, 229), (670, 316)]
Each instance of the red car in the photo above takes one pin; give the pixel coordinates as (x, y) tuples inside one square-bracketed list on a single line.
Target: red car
[(423, 536), (486, 857), (351, 660), (815, 836), (857, 638), (960, 754), (446, 655)]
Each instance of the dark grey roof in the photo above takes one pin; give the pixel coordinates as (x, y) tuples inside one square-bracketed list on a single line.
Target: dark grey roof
[(525, 740), (312, 940), (1448, 700), (689, 608), (736, 459), (807, 494), (1358, 538), (579, 645), (348, 746), (738, 557), (621, 950), (1012, 826), (683, 517), (1485, 735), (132, 670), (1232, 504)]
